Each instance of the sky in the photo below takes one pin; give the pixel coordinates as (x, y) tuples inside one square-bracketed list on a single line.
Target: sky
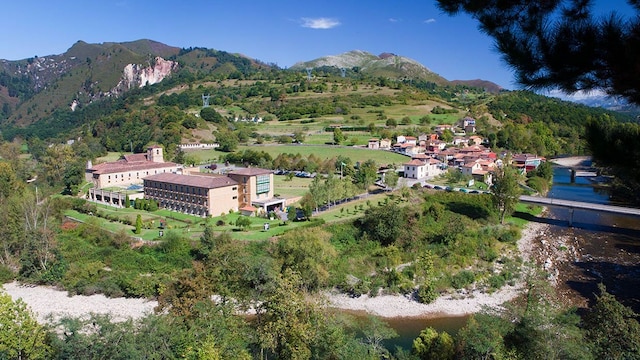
[(282, 32)]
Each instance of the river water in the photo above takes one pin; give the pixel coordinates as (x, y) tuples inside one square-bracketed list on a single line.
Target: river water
[(604, 248), (607, 246)]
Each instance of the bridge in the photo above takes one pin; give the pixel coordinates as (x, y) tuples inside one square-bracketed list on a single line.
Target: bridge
[(572, 205)]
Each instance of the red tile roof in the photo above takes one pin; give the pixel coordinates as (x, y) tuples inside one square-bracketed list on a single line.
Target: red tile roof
[(207, 182), (123, 166), (135, 158), (415, 162)]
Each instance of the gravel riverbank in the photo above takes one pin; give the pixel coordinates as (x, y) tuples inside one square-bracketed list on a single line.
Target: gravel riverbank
[(49, 302), (391, 306)]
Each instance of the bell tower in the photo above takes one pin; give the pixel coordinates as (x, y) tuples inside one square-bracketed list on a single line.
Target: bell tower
[(154, 154)]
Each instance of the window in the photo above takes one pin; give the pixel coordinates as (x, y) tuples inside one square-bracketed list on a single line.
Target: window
[(263, 184), (235, 197)]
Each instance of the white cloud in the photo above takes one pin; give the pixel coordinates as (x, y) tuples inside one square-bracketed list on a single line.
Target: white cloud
[(319, 23), (393, 20), (429, 21)]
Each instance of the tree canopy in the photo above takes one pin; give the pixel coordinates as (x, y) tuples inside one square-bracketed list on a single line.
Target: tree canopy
[(562, 44)]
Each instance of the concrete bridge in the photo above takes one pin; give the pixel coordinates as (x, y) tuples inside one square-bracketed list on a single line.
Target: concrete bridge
[(572, 205)]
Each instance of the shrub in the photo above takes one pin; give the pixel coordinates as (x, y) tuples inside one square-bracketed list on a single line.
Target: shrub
[(539, 184), (6, 274), (426, 293), (462, 279), (510, 236), (496, 281)]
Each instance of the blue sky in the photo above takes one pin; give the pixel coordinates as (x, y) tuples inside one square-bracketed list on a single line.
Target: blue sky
[(278, 31)]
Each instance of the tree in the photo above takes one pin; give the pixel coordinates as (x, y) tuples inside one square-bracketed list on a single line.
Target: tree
[(138, 229), (391, 178), (227, 140), (432, 345), (55, 162), (309, 253), (338, 136), (425, 120), (243, 222), (367, 174), (383, 223), (298, 136), (391, 122), (287, 319), (612, 328), (505, 191), (375, 331), (21, 337), (307, 204), (210, 114), (483, 337), (39, 237), (73, 176), (447, 136), (562, 44)]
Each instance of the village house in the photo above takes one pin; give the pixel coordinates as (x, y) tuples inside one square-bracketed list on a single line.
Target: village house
[(439, 129), (373, 144), (423, 168), (526, 162), (460, 141), (475, 140), (385, 144)]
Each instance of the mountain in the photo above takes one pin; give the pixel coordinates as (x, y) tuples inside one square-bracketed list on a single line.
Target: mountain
[(487, 85), (32, 89), (599, 99), (384, 65)]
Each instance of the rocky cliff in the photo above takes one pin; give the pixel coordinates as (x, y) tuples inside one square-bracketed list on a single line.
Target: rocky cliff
[(135, 75)]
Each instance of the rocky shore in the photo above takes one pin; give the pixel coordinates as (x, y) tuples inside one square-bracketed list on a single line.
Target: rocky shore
[(50, 303), (391, 306)]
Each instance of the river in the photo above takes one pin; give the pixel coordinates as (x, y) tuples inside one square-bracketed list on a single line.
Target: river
[(607, 246), (602, 247)]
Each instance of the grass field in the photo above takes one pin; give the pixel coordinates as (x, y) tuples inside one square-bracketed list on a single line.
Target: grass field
[(295, 187), (381, 157)]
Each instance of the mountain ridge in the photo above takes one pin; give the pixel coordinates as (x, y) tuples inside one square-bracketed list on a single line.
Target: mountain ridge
[(34, 88)]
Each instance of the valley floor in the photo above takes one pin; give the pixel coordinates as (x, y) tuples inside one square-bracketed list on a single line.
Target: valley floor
[(48, 302)]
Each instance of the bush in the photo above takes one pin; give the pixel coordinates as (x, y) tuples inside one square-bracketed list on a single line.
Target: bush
[(426, 293), (6, 275), (510, 236), (496, 281), (462, 279), (539, 184)]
